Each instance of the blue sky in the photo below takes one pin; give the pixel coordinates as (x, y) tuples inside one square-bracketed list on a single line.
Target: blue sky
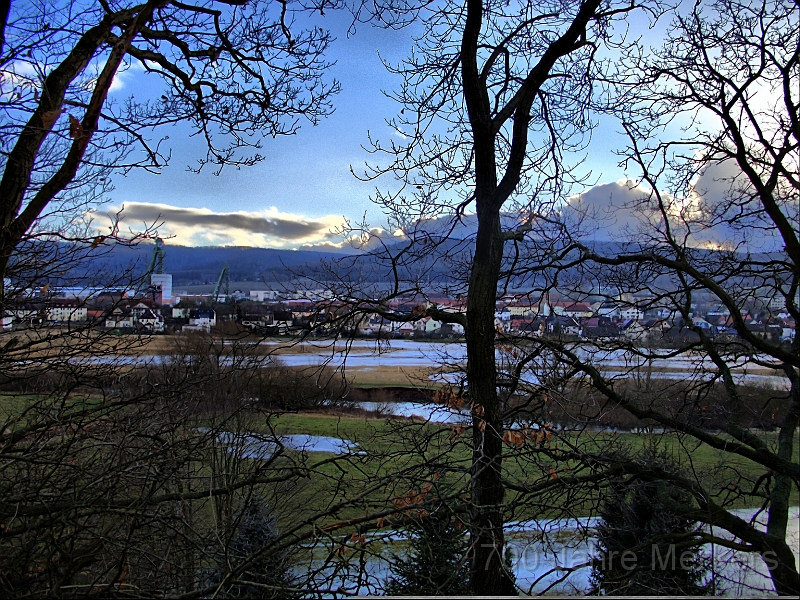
[(303, 189), (304, 176)]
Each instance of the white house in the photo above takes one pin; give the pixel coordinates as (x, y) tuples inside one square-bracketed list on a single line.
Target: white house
[(203, 318), (262, 295), (632, 329), (631, 312), (120, 318), (406, 329), (502, 315), (427, 325), (150, 320), (66, 311)]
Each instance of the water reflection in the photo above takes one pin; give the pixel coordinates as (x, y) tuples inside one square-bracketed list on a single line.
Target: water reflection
[(259, 446)]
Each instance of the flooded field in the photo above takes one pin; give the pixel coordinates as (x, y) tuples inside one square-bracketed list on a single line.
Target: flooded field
[(449, 359), (550, 558)]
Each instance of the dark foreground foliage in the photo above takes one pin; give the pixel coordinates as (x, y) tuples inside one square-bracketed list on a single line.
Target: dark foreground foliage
[(436, 563), (645, 547)]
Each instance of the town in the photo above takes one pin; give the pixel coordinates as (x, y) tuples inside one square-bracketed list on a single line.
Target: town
[(279, 312)]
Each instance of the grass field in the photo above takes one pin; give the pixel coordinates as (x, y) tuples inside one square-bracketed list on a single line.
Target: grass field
[(404, 454), (419, 442), (416, 377)]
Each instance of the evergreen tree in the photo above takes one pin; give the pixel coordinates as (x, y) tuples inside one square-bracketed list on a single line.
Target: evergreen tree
[(270, 576), (645, 547), (436, 563)]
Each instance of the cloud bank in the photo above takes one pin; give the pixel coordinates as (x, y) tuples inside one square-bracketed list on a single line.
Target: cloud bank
[(203, 227), (718, 210), (702, 216)]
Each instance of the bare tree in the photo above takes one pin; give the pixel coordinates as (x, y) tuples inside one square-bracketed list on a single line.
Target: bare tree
[(495, 106), (713, 126), (118, 479), (232, 70), (495, 97), (139, 480)]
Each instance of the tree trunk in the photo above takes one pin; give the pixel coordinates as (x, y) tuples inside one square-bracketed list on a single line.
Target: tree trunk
[(781, 564), (489, 576)]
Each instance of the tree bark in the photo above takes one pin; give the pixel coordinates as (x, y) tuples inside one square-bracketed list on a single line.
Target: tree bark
[(489, 575), (782, 567)]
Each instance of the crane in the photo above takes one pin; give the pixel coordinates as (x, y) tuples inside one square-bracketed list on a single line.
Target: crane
[(157, 261), (223, 283), (156, 265)]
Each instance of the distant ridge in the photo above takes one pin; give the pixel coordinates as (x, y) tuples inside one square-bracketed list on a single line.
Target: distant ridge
[(202, 264)]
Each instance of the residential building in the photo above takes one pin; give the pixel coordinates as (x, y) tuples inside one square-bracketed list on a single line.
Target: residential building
[(66, 310)]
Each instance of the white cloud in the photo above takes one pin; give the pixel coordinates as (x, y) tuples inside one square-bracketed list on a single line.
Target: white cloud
[(19, 77), (621, 211), (716, 211), (728, 213), (608, 211), (118, 82), (124, 75), (398, 133)]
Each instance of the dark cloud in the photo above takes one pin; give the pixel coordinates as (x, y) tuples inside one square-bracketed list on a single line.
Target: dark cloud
[(274, 226)]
